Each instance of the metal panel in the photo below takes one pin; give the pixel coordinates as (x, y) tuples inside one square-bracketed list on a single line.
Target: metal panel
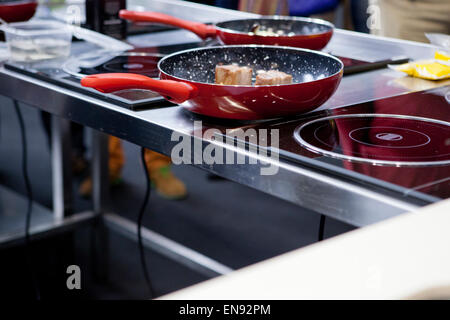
[(48, 229), (166, 247), (61, 167)]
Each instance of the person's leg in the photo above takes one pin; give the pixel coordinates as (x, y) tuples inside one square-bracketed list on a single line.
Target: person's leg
[(116, 159), (228, 4), (162, 177), (265, 7), (410, 19), (79, 162), (360, 15), (165, 182), (116, 163)]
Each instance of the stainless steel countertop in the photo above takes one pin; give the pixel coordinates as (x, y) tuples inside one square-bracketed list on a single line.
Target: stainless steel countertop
[(332, 196)]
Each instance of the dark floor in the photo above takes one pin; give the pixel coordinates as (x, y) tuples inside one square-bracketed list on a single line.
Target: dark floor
[(231, 223)]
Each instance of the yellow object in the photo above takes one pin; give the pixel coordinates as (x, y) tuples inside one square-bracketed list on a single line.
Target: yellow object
[(427, 69), (442, 57), (167, 184), (116, 158)]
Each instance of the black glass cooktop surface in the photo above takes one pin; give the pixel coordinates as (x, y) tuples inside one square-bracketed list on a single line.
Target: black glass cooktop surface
[(146, 65), (401, 143), (140, 60), (397, 140)]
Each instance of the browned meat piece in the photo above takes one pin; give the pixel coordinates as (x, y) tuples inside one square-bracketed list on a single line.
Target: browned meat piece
[(233, 75), (272, 77)]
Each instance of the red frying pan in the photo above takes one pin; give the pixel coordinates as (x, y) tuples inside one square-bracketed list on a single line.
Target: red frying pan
[(15, 11), (294, 31), (188, 78)]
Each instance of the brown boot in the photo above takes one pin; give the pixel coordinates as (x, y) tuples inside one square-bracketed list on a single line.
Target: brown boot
[(85, 189), (167, 184), (79, 165)]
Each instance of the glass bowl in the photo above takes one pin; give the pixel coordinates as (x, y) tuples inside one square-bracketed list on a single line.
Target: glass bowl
[(37, 40)]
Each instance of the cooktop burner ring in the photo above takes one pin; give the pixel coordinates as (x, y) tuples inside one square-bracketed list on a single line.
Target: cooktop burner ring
[(74, 65), (388, 136)]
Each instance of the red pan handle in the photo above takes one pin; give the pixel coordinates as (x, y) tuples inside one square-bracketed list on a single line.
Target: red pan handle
[(202, 30), (174, 91)]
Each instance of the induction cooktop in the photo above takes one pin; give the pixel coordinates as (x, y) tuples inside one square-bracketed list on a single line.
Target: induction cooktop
[(401, 143), (142, 60), (378, 139)]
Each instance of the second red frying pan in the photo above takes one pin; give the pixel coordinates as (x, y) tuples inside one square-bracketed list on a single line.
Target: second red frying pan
[(270, 30), (17, 10), (188, 78)]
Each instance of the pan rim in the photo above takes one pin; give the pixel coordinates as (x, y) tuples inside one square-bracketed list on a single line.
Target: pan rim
[(250, 46), (13, 3), (278, 17)]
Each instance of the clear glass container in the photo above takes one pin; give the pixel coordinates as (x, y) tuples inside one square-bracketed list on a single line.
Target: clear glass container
[(37, 40)]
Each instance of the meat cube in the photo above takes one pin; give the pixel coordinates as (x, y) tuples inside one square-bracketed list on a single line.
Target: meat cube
[(233, 75), (272, 77)]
